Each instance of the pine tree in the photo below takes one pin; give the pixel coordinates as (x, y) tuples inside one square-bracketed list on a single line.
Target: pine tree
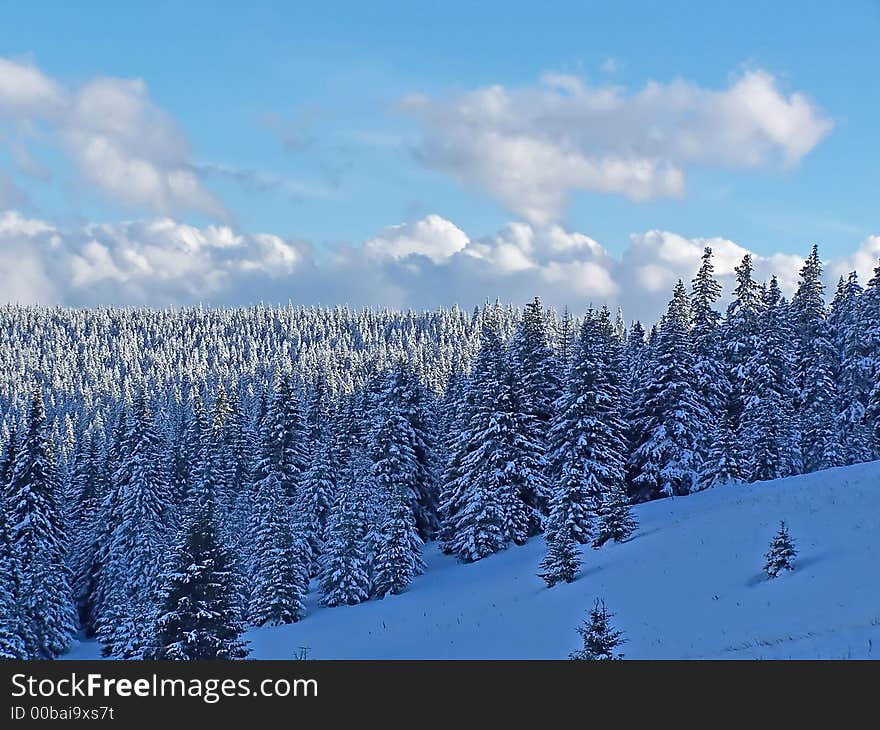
[(853, 372), (8, 453), (456, 410), (314, 499), (283, 455), (138, 542), (399, 552), (588, 435), (397, 543), (869, 311), (393, 448), (767, 421), (317, 489), (665, 461), (709, 376), (781, 554), (722, 465), (520, 462), (412, 402), (566, 336), (740, 337), (280, 569), (539, 385), (345, 578), (600, 639), (616, 520), (813, 377), (476, 517), (198, 616), (13, 644), (562, 561), (38, 536), (88, 487)]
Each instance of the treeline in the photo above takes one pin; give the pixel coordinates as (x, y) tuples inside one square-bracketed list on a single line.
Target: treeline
[(170, 477)]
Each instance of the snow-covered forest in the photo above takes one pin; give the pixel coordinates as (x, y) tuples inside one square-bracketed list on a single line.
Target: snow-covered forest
[(172, 477)]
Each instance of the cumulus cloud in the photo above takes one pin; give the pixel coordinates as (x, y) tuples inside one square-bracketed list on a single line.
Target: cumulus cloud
[(157, 262), (422, 264), (863, 261), (529, 147), (433, 237), (25, 252), (118, 139), (25, 91)]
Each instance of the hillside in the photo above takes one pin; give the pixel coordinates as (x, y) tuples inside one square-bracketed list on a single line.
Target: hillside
[(687, 585)]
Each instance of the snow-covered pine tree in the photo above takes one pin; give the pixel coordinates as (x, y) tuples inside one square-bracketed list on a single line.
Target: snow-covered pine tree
[(665, 461), (13, 628), (538, 379), (740, 335), (565, 343), (722, 465), (283, 452), (615, 520), (562, 559), (279, 565), (392, 446), (412, 401), (869, 311), (455, 410), (813, 376), (345, 571), (198, 614), (398, 556), (521, 462), (489, 510), (195, 427), (318, 485), (395, 471), (853, 372), (767, 421), (139, 540), (225, 434), (88, 487), (110, 515), (38, 536), (637, 367), (314, 498), (588, 435), (600, 639), (8, 453), (781, 554), (709, 376)]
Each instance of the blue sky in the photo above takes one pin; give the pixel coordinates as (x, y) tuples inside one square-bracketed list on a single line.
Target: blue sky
[(295, 117)]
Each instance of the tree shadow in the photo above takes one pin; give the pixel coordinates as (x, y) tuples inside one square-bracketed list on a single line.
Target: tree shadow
[(799, 564)]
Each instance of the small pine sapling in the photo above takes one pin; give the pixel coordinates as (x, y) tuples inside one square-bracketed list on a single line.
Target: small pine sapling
[(600, 639), (781, 554)]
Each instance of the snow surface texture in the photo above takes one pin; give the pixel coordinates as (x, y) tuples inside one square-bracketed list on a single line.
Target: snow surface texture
[(688, 585)]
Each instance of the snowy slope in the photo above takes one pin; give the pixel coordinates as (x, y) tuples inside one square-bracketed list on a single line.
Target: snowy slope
[(688, 585)]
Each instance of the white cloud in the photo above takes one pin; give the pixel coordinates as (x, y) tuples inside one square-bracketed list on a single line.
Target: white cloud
[(530, 147), (863, 260), (157, 262), (422, 264), (27, 91), (433, 237), (118, 139), (25, 248)]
